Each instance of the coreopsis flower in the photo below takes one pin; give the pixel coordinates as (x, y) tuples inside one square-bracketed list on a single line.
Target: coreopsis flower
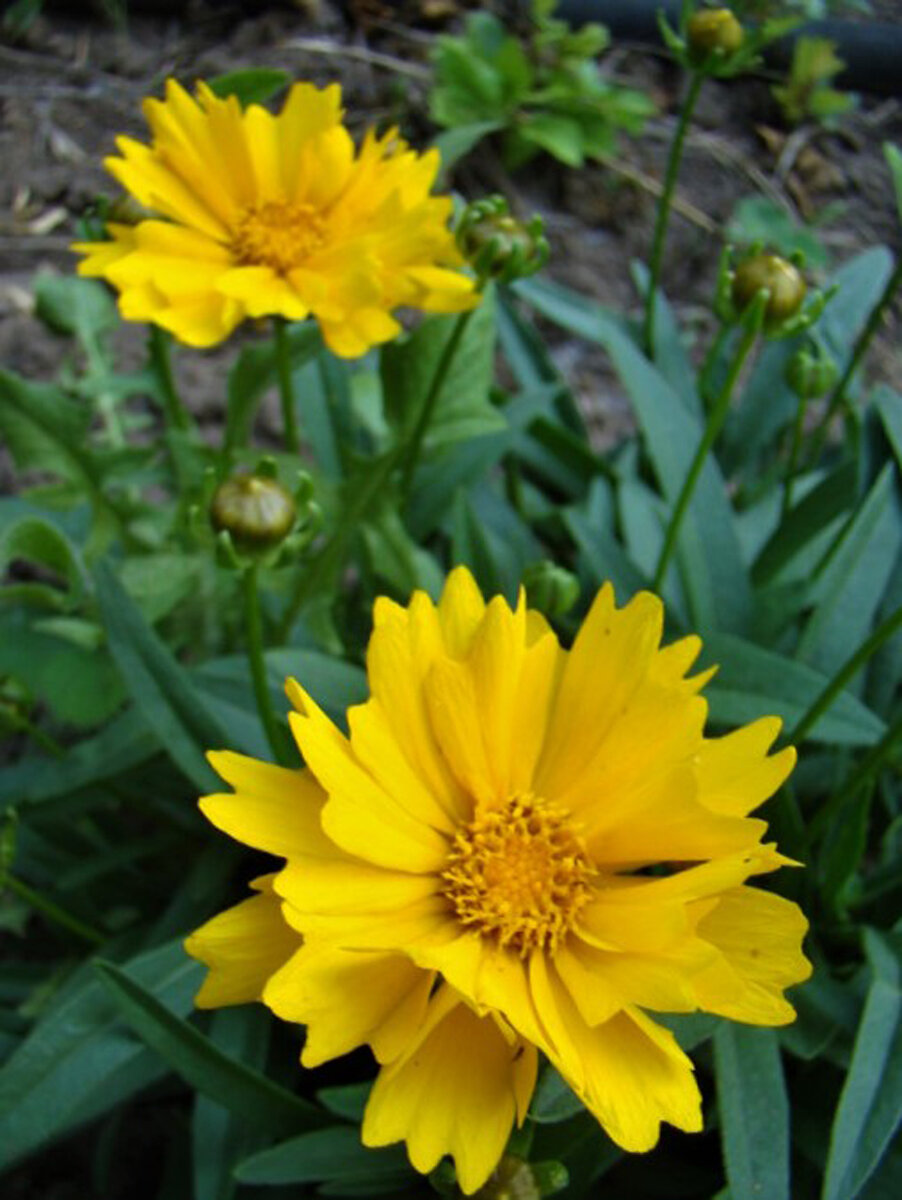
[(259, 215), (516, 849)]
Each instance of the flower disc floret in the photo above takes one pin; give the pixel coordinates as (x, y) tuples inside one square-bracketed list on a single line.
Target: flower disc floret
[(517, 849), (252, 215), (518, 875)]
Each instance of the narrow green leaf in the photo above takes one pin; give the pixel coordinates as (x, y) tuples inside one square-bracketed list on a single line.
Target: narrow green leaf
[(160, 688), (335, 1153), (810, 517), (252, 85), (203, 1065), (870, 1106), (754, 1112)]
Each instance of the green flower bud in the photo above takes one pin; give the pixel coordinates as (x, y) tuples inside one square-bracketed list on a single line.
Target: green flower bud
[(549, 588), (257, 512), (811, 372), (512, 1179), (713, 29), (498, 245), (779, 278)]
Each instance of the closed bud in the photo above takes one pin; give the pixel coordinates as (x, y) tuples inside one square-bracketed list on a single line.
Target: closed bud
[(781, 280), (498, 245), (257, 512), (811, 372), (549, 588), (713, 29)]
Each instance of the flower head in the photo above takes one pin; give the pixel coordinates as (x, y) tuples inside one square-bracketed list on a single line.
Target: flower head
[(518, 848), (262, 215)]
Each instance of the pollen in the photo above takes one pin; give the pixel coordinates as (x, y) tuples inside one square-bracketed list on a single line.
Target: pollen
[(277, 235), (518, 875)]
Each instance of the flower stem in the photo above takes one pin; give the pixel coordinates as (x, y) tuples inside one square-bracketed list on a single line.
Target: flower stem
[(847, 671), (664, 206), (795, 449), (838, 399), (286, 386), (254, 630), (412, 453), (161, 362), (712, 429), (51, 911)]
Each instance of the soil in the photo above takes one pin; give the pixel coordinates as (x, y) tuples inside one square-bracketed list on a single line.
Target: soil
[(74, 81)]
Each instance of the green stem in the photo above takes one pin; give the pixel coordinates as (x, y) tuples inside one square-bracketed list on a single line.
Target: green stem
[(795, 450), (711, 360), (286, 386), (712, 429), (52, 911), (414, 446), (838, 399), (664, 205), (317, 576), (850, 668), (176, 414), (254, 630)]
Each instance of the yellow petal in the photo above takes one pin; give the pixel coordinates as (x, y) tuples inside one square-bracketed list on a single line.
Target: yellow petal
[(243, 947), (734, 772), (348, 998), (457, 1091)]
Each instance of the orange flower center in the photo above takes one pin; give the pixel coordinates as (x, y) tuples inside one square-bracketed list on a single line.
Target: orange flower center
[(277, 235), (518, 875)]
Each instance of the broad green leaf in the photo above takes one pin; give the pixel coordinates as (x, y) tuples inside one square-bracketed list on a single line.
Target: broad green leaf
[(848, 589), (459, 140), (76, 1063), (453, 467), (751, 682), (255, 371), (671, 356), (41, 542), (561, 136), (860, 285), (160, 688), (219, 1138), (82, 308), (335, 1153), (805, 520), (889, 408), (870, 1107), (396, 559), (348, 1100), (553, 1099), (203, 1065), (252, 85), (754, 1112)]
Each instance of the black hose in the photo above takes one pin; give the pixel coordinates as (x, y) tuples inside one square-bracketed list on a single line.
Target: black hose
[(871, 50)]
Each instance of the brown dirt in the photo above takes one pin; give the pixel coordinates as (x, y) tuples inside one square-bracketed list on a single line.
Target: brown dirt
[(72, 84)]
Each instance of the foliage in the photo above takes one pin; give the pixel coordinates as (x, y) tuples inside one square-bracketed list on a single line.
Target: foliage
[(122, 661), (543, 92), (807, 92)]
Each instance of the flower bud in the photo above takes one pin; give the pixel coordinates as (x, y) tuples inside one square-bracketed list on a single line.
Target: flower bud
[(811, 372), (257, 512), (713, 29), (549, 588), (779, 278), (499, 246)]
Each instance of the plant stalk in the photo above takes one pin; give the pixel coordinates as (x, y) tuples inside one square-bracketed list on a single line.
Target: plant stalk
[(664, 206), (838, 398), (177, 416), (412, 453), (712, 429), (52, 911), (847, 671), (254, 630), (795, 450), (286, 386)]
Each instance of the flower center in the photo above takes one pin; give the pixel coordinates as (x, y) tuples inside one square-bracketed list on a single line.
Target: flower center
[(519, 875), (277, 235)]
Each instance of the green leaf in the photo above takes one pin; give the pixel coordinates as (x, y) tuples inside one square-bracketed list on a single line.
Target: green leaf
[(462, 409), (561, 136), (335, 1153), (458, 141), (759, 219), (893, 156), (82, 308), (348, 1100), (255, 371), (833, 496), (848, 589), (752, 682), (159, 687), (870, 1106), (203, 1065), (76, 1063), (253, 85), (754, 1112), (39, 541), (553, 1099)]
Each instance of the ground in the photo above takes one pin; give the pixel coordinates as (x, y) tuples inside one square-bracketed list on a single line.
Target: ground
[(74, 81)]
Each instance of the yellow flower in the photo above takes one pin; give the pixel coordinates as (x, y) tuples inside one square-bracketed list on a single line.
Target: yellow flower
[(516, 849), (262, 215)]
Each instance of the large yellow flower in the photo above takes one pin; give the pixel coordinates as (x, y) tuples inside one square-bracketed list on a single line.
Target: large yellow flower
[(263, 215), (517, 849)]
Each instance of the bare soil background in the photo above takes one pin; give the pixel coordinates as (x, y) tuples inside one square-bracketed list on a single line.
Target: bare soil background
[(74, 81)]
